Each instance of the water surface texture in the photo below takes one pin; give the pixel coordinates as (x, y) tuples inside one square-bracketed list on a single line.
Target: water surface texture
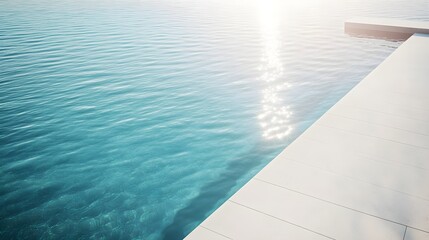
[(126, 119)]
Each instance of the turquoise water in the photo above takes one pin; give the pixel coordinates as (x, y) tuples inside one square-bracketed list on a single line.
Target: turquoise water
[(126, 119)]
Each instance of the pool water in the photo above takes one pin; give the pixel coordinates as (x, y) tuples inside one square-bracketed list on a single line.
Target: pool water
[(136, 119)]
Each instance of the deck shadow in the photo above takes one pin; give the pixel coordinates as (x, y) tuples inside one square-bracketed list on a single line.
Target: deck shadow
[(207, 200)]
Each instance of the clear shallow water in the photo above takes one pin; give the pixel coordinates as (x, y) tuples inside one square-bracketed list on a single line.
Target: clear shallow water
[(136, 119)]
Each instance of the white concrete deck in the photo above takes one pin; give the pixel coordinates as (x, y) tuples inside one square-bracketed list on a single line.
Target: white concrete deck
[(385, 27), (360, 172)]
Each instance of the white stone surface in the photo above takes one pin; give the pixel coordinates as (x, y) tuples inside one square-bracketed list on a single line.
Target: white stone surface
[(240, 222), (413, 234), (315, 214), (203, 233), (360, 172)]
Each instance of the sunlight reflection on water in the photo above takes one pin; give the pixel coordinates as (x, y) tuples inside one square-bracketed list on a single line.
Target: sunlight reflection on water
[(275, 115)]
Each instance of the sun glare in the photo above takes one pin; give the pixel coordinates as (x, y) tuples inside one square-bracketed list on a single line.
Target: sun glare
[(274, 118)]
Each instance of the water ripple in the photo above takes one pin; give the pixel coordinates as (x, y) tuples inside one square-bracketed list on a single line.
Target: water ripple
[(135, 119)]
